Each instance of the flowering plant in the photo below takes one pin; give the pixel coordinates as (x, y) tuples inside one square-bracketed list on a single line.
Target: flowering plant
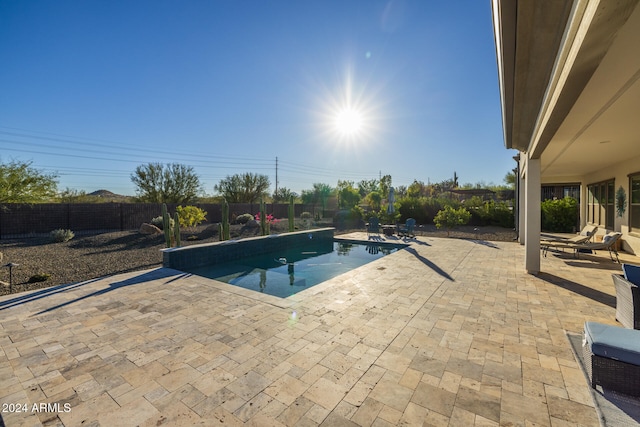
[(269, 218)]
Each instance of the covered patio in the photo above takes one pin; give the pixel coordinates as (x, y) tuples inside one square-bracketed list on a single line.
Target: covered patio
[(570, 89), (445, 332)]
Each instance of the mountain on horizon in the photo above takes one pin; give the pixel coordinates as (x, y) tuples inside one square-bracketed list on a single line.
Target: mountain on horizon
[(106, 194)]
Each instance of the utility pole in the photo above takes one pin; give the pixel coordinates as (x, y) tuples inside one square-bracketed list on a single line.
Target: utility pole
[(276, 192)]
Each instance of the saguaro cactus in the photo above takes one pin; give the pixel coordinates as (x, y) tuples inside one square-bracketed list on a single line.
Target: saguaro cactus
[(225, 221), (291, 215), (176, 229), (166, 225)]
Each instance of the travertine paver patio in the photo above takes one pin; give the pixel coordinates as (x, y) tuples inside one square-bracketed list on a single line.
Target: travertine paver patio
[(446, 332)]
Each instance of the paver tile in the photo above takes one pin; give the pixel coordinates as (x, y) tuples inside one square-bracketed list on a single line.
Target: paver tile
[(447, 332)]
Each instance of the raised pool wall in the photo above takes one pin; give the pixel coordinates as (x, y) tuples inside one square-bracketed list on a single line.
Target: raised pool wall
[(194, 256)]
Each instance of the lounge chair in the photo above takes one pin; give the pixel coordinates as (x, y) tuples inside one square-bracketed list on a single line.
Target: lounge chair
[(608, 242), (585, 235), (407, 230), (373, 227)]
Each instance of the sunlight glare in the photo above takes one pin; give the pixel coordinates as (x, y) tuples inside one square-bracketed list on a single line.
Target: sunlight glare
[(349, 122)]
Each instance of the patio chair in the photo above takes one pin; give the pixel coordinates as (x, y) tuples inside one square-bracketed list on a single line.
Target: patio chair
[(407, 230), (628, 296), (608, 242), (373, 227), (585, 235)]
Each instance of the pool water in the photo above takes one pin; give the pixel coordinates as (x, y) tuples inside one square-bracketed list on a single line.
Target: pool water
[(294, 270)]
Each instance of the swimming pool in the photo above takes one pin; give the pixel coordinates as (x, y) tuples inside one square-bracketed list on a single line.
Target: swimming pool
[(290, 271)]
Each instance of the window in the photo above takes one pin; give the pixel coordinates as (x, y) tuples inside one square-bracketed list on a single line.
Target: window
[(634, 202), (601, 203)]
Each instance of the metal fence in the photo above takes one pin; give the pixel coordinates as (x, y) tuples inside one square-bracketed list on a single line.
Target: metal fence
[(23, 220)]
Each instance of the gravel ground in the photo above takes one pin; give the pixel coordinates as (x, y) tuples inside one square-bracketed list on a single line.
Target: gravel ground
[(89, 257)]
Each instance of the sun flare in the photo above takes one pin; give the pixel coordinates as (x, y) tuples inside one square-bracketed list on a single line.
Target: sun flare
[(349, 122)]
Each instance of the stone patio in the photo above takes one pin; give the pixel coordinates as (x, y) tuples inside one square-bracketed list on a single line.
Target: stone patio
[(445, 332)]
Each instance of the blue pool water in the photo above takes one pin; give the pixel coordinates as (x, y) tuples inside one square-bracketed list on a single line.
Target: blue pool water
[(294, 270)]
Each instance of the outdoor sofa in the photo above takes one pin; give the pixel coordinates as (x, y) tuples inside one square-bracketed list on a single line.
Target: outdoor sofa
[(612, 357)]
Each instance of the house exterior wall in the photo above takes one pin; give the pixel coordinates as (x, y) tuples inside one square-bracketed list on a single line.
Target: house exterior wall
[(620, 174)]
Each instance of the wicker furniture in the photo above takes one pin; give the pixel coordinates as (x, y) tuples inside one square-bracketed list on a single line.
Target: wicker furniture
[(627, 302), (612, 357)]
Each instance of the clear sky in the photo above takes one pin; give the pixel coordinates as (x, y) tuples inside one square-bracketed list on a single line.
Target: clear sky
[(342, 89)]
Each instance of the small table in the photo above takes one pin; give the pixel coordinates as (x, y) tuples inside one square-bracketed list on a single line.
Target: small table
[(388, 229)]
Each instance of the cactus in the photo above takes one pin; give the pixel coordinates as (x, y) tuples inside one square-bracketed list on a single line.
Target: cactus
[(263, 218), (291, 215), (166, 225), (176, 229), (220, 232), (224, 232)]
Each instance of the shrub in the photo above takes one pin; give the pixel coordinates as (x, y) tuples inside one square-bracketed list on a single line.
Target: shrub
[(190, 216), (61, 235), (559, 216), (348, 218), (244, 218), (39, 278), (158, 222), (490, 213), (306, 215), (450, 218)]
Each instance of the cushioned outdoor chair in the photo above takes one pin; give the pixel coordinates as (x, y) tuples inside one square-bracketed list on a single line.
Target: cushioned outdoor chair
[(608, 242), (407, 230), (373, 227), (612, 357), (585, 235), (628, 296)]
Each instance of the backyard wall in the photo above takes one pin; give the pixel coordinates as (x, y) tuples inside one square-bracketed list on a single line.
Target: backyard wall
[(23, 220)]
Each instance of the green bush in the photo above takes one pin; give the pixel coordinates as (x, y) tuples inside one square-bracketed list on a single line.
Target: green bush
[(190, 216), (158, 222), (450, 218), (489, 213), (244, 218), (560, 215), (61, 235), (306, 215), (348, 218), (39, 278)]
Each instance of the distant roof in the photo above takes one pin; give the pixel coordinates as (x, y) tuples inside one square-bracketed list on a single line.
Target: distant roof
[(473, 191)]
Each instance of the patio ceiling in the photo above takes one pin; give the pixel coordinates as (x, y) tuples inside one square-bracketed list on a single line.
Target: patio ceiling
[(570, 82)]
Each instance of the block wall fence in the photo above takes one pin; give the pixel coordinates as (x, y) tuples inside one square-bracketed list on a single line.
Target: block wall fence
[(24, 220)]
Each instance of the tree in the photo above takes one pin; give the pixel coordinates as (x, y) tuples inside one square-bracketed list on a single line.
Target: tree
[(171, 183), (323, 191), (319, 194), (510, 179), (385, 185), (243, 188), (348, 195), (374, 199), (283, 194), (367, 186), (450, 218), (20, 183)]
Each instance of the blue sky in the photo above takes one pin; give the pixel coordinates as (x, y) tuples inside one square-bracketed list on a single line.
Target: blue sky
[(92, 89)]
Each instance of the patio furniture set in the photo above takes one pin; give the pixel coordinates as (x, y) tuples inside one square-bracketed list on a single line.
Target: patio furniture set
[(612, 353), (402, 230)]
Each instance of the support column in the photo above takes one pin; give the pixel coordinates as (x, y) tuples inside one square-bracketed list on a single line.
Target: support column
[(532, 216), (522, 206)]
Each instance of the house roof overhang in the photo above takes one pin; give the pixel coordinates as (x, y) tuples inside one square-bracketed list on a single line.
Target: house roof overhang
[(569, 77)]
